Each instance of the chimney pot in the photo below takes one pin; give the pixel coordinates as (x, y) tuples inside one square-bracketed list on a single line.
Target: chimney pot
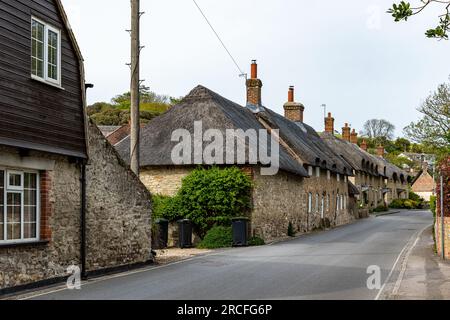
[(291, 94), (254, 73)]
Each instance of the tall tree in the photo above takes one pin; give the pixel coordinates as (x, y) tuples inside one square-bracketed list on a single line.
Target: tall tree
[(378, 129), (434, 127), (403, 10)]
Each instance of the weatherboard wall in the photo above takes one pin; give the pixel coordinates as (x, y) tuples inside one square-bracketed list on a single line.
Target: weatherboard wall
[(36, 115)]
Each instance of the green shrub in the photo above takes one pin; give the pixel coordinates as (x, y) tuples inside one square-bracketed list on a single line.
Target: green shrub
[(414, 196), (405, 204), (213, 196), (166, 207), (433, 205), (217, 237), (291, 232), (381, 208), (256, 241)]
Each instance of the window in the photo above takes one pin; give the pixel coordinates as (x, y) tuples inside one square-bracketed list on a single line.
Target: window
[(328, 174), (338, 177), (310, 171), (322, 207), (45, 52), (317, 172), (328, 203), (19, 206), (309, 202), (337, 202), (317, 203)]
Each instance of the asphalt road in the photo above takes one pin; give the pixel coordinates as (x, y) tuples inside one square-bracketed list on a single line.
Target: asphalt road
[(326, 265)]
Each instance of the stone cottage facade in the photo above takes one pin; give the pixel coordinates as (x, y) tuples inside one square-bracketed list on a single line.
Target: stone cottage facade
[(310, 190), (378, 181), (424, 184), (59, 210)]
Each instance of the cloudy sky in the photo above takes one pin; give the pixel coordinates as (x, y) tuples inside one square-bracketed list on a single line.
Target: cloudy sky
[(346, 54)]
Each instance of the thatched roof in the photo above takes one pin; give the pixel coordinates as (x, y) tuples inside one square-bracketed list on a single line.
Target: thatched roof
[(215, 112), (307, 144), (363, 161)]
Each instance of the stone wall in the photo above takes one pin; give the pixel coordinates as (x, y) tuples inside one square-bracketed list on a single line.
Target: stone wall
[(118, 209), (444, 171), (165, 181), (26, 264), (118, 217), (283, 198)]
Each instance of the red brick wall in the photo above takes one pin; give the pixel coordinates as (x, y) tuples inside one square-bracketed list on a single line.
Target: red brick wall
[(46, 207)]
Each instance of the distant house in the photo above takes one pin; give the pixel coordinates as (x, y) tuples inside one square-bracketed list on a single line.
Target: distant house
[(419, 160), (59, 210), (424, 184), (311, 188), (378, 181)]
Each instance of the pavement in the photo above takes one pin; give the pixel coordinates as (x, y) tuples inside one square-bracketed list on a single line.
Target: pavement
[(325, 265), (425, 275)]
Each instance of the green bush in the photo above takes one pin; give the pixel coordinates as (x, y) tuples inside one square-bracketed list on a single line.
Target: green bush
[(166, 207), (217, 237), (256, 241), (433, 205), (381, 208), (405, 204), (213, 196)]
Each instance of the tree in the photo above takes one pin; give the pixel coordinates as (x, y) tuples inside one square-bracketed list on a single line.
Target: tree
[(434, 127), (117, 112), (379, 130), (403, 10)]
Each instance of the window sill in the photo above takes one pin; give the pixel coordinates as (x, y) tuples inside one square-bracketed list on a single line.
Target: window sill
[(57, 86), (24, 244)]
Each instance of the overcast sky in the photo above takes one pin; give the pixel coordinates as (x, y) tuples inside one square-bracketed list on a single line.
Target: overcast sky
[(347, 54)]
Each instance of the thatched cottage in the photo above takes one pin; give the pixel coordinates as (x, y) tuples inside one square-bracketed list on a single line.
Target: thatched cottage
[(378, 181), (311, 188)]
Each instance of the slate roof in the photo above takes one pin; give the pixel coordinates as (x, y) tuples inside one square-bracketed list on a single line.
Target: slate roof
[(215, 112)]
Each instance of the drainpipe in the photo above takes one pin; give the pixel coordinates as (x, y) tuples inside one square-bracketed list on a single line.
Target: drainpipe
[(83, 222), (442, 219)]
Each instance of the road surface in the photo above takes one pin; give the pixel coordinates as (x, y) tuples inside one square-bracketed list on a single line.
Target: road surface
[(326, 265)]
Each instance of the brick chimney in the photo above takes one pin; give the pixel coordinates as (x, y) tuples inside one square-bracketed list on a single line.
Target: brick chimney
[(346, 132), (293, 110), (380, 151), (364, 145), (329, 124), (254, 87), (354, 137)]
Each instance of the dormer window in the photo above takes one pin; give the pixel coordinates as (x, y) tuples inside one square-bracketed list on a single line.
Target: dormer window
[(45, 52)]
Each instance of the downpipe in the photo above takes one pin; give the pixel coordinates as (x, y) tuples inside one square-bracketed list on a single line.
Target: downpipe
[(83, 222)]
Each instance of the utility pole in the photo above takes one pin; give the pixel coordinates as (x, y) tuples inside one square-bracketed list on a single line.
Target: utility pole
[(135, 84), (442, 217)]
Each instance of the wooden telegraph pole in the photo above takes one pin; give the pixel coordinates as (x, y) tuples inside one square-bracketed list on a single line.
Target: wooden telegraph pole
[(135, 84)]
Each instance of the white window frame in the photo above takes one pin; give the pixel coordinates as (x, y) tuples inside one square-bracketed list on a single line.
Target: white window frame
[(338, 177), (10, 187), (310, 171), (7, 190), (328, 174), (46, 78), (318, 172), (310, 202)]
